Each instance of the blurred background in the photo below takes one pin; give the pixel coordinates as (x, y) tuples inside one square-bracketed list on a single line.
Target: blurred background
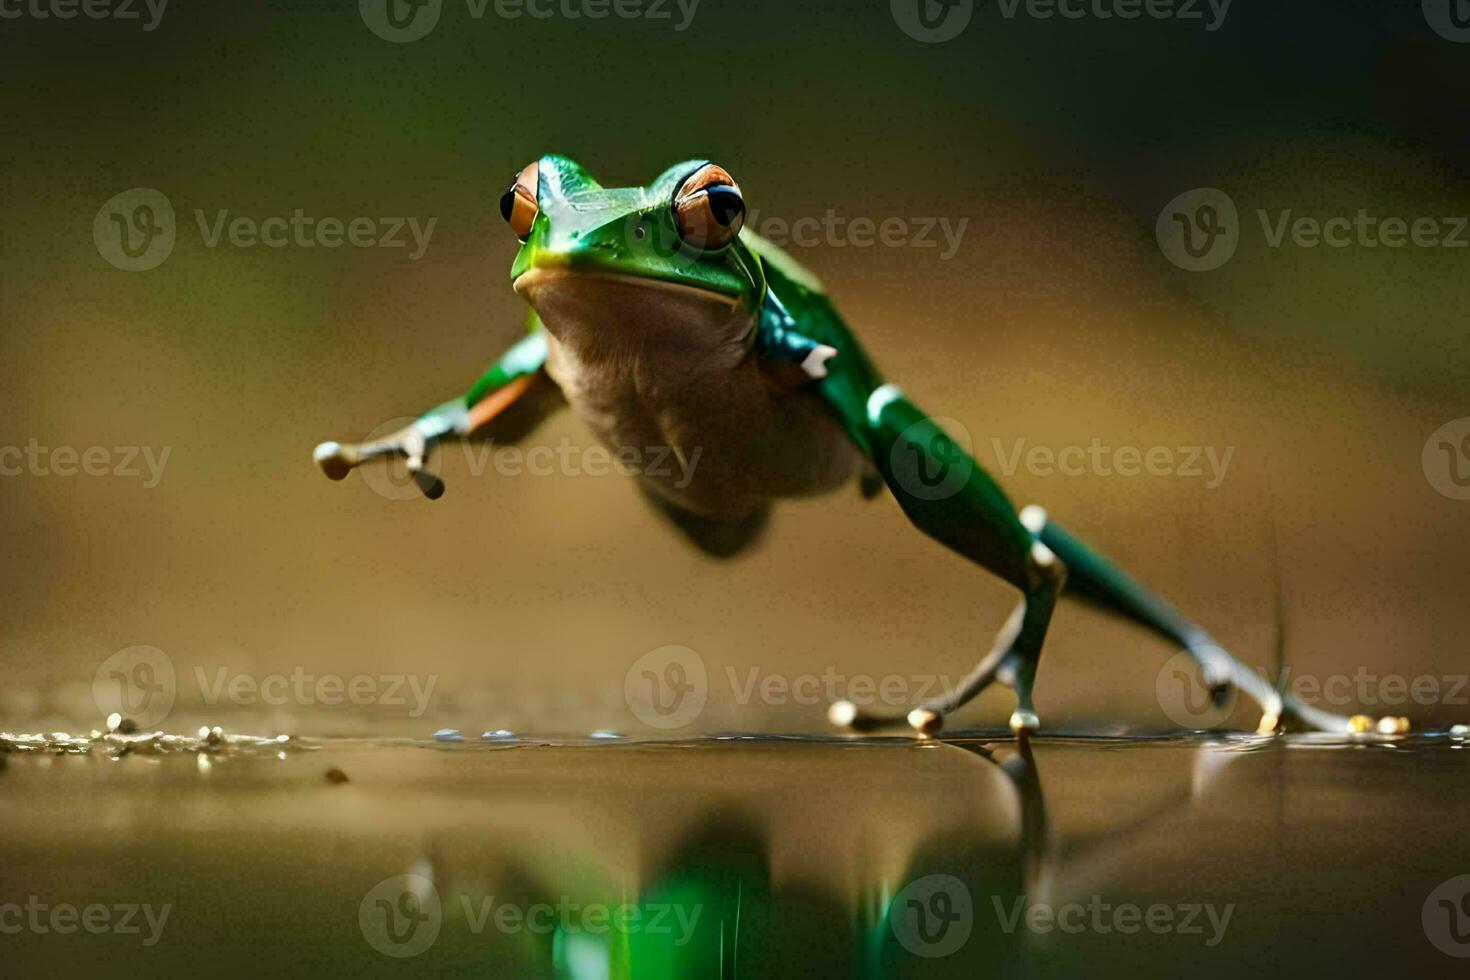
[(1322, 377)]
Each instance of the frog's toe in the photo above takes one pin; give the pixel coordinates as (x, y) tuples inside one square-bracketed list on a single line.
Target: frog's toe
[(926, 722), (1024, 722), (849, 717), (335, 460)]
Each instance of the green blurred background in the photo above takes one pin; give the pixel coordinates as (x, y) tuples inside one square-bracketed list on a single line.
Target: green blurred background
[(1058, 320)]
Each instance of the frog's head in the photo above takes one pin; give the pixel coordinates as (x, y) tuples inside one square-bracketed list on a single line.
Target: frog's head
[(606, 262)]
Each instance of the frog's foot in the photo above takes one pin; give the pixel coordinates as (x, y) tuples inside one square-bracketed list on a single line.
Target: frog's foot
[(1315, 719), (1012, 661), (1222, 676), (412, 442)]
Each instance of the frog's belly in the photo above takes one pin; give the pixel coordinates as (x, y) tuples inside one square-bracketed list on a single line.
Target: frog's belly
[(714, 438)]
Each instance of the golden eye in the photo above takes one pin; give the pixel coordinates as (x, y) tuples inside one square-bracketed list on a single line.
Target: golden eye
[(708, 208), (518, 203)]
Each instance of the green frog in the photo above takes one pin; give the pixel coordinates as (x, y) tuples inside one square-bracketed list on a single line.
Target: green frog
[(662, 321)]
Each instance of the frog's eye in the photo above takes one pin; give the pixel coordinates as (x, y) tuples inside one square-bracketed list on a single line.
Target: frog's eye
[(708, 208), (518, 203)]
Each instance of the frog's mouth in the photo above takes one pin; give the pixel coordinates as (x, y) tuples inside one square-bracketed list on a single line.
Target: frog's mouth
[(604, 307)]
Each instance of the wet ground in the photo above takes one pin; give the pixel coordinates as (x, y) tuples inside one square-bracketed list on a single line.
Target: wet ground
[(734, 857)]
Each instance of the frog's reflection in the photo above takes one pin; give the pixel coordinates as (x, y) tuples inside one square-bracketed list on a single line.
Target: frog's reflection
[(721, 899)]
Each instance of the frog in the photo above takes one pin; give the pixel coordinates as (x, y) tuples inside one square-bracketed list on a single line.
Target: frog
[(660, 320)]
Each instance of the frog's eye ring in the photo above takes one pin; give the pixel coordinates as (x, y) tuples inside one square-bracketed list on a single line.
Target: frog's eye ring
[(708, 208), (518, 203)]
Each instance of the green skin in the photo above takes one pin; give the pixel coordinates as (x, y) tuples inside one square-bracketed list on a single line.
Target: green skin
[(604, 239)]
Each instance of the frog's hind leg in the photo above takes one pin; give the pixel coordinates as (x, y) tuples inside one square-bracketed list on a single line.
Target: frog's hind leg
[(949, 497), (1098, 580)]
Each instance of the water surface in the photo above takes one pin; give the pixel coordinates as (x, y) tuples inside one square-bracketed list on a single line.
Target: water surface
[(735, 856)]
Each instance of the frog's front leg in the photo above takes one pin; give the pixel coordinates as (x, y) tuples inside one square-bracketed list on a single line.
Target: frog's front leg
[(512, 396)]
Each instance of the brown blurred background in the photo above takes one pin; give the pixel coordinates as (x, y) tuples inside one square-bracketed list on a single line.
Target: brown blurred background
[(1058, 321)]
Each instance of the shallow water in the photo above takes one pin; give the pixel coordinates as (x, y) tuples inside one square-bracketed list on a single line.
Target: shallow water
[(733, 856)]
